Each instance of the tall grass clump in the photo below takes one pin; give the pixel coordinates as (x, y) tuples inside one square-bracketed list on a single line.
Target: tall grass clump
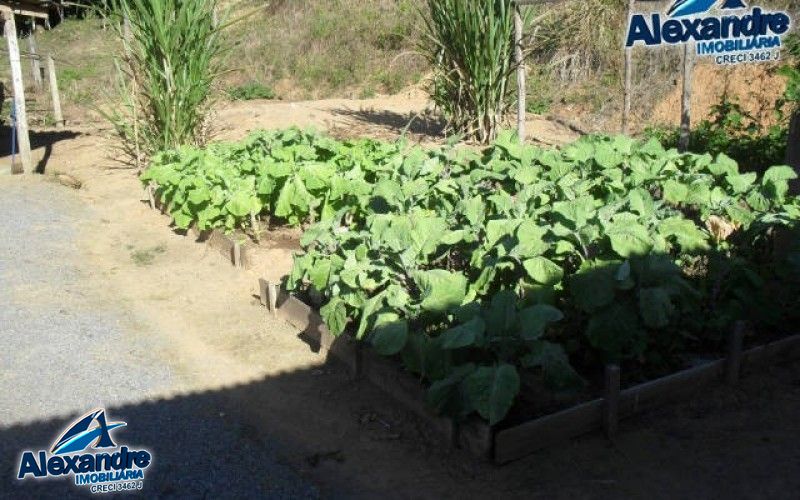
[(470, 46), (170, 61)]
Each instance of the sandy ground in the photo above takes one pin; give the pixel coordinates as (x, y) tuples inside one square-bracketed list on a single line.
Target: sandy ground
[(347, 437)]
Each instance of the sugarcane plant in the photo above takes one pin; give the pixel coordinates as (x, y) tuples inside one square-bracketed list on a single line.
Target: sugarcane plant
[(470, 46)]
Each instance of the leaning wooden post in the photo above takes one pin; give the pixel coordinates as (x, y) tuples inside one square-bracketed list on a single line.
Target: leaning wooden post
[(611, 396), (686, 97), (626, 107), (519, 59), (19, 90), (58, 115), (36, 65)]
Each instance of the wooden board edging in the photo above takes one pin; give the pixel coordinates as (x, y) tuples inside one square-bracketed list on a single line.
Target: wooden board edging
[(506, 445)]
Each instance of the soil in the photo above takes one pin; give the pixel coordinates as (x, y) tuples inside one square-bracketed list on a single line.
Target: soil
[(345, 436), (756, 87)]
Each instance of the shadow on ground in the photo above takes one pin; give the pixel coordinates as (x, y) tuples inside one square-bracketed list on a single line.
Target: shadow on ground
[(427, 123), (39, 139)]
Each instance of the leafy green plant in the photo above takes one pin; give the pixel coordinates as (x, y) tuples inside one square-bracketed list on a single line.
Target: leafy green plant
[(251, 91), (470, 46), (731, 130), (167, 72), (467, 277), (479, 270)]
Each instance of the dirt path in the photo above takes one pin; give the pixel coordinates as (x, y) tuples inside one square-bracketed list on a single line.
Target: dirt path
[(344, 436)]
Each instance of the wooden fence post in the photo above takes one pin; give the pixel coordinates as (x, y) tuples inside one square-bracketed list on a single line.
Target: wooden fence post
[(36, 65), (733, 363), (626, 107), (611, 396), (519, 57), (686, 97), (58, 116), (23, 139)]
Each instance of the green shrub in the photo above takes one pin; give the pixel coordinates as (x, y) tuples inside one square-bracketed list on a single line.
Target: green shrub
[(731, 130), (251, 91)]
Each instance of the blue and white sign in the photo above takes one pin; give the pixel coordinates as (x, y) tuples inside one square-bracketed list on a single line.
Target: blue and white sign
[(86, 452), (727, 30)]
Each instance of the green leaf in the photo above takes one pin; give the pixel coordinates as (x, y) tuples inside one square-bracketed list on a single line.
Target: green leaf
[(441, 290), (577, 212), (543, 271), (675, 192), (655, 306), (593, 286), (552, 359), (492, 390), (775, 181), (474, 210), (464, 335), (334, 313), (534, 320), (740, 183), (616, 332), (531, 240), (390, 334), (445, 397), (629, 239), (686, 233), (502, 313), (319, 274), (723, 166)]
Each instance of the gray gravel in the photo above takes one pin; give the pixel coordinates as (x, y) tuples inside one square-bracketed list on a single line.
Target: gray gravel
[(64, 355)]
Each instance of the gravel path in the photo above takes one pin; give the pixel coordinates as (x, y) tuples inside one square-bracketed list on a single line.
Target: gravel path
[(67, 351)]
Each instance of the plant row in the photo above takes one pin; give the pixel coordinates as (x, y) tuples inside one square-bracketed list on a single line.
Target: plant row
[(488, 271)]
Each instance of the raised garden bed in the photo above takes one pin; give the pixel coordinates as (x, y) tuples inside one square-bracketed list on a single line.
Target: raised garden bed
[(237, 250), (505, 444)]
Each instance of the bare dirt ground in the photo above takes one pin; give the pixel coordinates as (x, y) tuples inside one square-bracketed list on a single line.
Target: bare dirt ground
[(345, 436)]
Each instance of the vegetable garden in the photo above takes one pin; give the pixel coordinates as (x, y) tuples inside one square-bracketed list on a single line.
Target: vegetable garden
[(488, 272)]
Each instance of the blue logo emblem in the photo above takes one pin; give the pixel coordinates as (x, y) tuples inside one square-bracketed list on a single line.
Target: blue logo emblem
[(683, 8), (80, 436), (86, 452)]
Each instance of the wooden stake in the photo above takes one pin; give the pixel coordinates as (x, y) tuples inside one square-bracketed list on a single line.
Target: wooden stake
[(272, 298), (55, 97), (611, 396), (36, 65), (626, 108), (237, 254), (519, 57), (733, 364), (23, 139), (686, 99)]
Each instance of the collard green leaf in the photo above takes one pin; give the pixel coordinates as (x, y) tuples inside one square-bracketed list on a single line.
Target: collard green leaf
[(552, 359), (629, 239), (655, 306), (441, 290), (390, 334), (534, 320), (686, 233), (543, 271), (334, 313), (616, 332), (593, 286), (464, 335), (492, 390)]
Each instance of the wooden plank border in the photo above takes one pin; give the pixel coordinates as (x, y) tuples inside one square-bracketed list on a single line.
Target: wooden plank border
[(239, 254), (505, 445)]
